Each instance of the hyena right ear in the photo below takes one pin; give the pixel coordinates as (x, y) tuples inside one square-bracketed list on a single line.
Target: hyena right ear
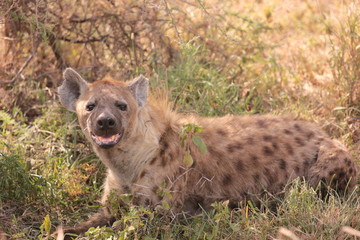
[(71, 89)]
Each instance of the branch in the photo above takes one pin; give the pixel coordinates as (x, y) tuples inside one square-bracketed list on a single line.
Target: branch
[(84, 41), (37, 43), (91, 19), (61, 63)]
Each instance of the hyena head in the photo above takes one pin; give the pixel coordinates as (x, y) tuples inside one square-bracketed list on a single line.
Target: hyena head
[(106, 109)]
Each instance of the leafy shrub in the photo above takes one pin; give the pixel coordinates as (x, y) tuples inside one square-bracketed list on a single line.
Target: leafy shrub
[(17, 182)]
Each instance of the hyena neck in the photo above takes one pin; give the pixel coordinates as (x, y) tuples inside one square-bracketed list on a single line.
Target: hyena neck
[(126, 160)]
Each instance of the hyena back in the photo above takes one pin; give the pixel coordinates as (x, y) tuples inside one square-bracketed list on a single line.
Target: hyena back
[(139, 143)]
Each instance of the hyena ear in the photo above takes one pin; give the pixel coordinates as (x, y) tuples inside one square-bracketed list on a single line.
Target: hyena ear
[(139, 89), (71, 89)]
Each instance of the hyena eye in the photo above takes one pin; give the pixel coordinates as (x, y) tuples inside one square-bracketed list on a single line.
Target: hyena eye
[(122, 106), (90, 107)]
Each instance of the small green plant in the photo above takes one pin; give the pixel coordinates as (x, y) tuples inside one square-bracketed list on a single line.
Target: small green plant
[(45, 228), (187, 135), (132, 220)]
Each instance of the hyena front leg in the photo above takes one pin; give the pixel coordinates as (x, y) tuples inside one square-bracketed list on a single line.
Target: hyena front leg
[(102, 218)]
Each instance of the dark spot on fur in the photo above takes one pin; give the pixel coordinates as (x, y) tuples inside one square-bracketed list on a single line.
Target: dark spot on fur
[(250, 140), (227, 179), (221, 132), (268, 151), (267, 138), (240, 166), (333, 159), (163, 161), (216, 154), (297, 169), (310, 135), (143, 173), (136, 200), (341, 175), (331, 173), (289, 149), (348, 162), (261, 123), (153, 161), (288, 132), (282, 164), (230, 148), (195, 201), (126, 188), (350, 170), (316, 156), (254, 159), (171, 156), (234, 146), (306, 164), (339, 151), (274, 145), (162, 152), (147, 202), (297, 127), (154, 189), (300, 141)]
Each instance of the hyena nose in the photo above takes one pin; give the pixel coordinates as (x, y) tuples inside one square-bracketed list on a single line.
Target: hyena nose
[(106, 123)]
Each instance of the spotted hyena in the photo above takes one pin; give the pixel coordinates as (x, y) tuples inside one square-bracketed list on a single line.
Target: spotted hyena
[(140, 144)]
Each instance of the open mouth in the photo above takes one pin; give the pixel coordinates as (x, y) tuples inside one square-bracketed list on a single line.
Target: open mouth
[(106, 142)]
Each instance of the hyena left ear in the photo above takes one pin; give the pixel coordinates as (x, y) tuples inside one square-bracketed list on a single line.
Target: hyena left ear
[(139, 89)]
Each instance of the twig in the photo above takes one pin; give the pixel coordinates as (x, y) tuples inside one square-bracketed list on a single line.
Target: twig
[(283, 232), (60, 233), (350, 231), (172, 20), (37, 43)]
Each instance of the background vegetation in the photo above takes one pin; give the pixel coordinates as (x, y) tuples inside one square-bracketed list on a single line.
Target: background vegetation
[(210, 57)]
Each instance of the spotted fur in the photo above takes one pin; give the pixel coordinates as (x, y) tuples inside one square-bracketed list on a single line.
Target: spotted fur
[(246, 155)]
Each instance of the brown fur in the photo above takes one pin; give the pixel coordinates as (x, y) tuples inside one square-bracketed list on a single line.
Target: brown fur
[(246, 155)]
